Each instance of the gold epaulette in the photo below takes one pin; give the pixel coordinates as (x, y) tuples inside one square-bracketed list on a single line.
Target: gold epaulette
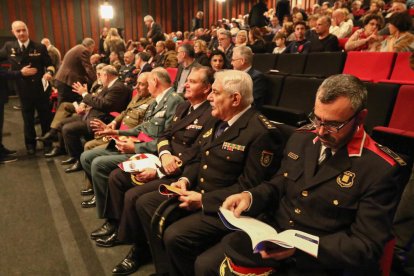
[(268, 124), (392, 154)]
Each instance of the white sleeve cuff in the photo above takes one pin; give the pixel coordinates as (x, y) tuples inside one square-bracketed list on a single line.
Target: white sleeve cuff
[(251, 200)]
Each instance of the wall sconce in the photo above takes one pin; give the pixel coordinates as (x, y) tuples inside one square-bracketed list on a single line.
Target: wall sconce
[(221, 1), (107, 12)]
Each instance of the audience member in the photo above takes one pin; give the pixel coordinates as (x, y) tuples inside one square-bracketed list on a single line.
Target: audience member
[(126, 72), (186, 60), (217, 60), (256, 41), (301, 45), (115, 60), (331, 152), (141, 62), (170, 56), (242, 60), (321, 40), (159, 57), (75, 67), (114, 43), (215, 173), (367, 38), (200, 50), (113, 97), (197, 21), (341, 27), (53, 52), (20, 53), (241, 38), (225, 45), (280, 40), (400, 39), (154, 33)]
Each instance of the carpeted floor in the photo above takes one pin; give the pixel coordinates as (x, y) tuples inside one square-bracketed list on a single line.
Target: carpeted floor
[(43, 229)]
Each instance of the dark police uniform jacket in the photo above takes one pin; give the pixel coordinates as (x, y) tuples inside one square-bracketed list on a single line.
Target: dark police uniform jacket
[(184, 130), (349, 203), (247, 153), (35, 55)]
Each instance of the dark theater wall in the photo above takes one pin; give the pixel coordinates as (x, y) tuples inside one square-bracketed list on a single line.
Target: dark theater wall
[(66, 22)]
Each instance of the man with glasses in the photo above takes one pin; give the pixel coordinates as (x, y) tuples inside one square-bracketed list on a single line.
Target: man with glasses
[(335, 182)]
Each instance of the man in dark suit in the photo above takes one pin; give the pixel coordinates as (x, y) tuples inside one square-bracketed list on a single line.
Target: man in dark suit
[(175, 148), (32, 90), (113, 97), (335, 182), (242, 60), (98, 163), (225, 45), (186, 61), (141, 62), (75, 67), (6, 155), (127, 71), (238, 149), (155, 32)]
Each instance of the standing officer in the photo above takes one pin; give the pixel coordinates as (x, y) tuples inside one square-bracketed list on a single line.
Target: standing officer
[(238, 149), (20, 53), (335, 182)]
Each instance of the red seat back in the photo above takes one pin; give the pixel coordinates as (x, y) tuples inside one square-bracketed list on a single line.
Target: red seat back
[(403, 113), (402, 70), (173, 73), (386, 259), (369, 66), (342, 42)]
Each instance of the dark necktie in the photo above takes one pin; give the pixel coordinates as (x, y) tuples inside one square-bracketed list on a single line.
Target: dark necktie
[(221, 128), (191, 109), (23, 48), (328, 155)]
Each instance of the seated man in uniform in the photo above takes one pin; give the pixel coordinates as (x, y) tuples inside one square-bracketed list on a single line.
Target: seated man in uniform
[(335, 182), (239, 148)]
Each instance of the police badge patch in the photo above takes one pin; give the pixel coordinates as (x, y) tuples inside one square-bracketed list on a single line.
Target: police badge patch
[(266, 158), (346, 179)]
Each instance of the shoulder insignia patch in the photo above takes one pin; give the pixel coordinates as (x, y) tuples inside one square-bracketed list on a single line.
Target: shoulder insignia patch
[(268, 124), (308, 127), (208, 133), (392, 154), (266, 158)]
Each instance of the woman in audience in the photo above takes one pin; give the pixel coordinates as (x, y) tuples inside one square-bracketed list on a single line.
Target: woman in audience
[(280, 40), (287, 29), (400, 39), (256, 41), (241, 38), (114, 43), (217, 60), (200, 50), (170, 55), (367, 38)]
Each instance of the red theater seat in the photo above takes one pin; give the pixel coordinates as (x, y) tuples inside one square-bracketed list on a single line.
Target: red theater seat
[(402, 72), (173, 73), (369, 66)]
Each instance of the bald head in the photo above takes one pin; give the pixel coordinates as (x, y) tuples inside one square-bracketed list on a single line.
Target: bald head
[(20, 31)]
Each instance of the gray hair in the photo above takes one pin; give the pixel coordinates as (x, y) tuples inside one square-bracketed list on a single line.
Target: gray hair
[(110, 70), (88, 42), (148, 18), (207, 76), (343, 86), (162, 75), (100, 66), (236, 81), (245, 52), (225, 32), (188, 49)]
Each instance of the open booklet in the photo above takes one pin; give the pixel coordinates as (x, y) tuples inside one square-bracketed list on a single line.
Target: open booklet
[(261, 233), (139, 162)]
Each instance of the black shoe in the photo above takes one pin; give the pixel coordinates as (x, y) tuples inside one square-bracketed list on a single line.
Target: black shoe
[(108, 241), (5, 151), (69, 161), (56, 151), (4, 159), (50, 136), (74, 168), (89, 203), (31, 150), (128, 265), (105, 230), (87, 192)]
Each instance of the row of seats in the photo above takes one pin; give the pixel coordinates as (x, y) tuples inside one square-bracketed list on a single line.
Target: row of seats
[(368, 66), (291, 98)]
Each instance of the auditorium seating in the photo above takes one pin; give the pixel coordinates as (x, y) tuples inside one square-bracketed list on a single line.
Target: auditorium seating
[(264, 62), (173, 73), (381, 99), (290, 63), (275, 87), (369, 66), (324, 64), (401, 71)]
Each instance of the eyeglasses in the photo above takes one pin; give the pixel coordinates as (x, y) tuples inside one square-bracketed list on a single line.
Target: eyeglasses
[(332, 127)]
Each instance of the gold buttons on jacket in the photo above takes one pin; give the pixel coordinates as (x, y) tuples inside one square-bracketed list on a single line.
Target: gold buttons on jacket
[(207, 152), (173, 137), (291, 223), (228, 157), (285, 174), (335, 202), (202, 180), (179, 154), (184, 143), (298, 211), (205, 167), (304, 193)]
